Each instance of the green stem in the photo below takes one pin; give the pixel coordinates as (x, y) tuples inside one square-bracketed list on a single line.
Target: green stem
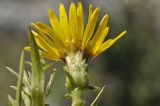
[(37, 96), (76, 95)]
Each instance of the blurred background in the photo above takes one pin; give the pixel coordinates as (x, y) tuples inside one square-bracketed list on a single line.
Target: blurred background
[(130, 69)]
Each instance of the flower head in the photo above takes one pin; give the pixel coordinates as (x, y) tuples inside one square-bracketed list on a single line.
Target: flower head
[(69, 35)]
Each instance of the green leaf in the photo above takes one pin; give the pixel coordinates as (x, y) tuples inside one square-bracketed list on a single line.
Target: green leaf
[(28, 63), (27, 99), (26, 78), (50, 83), (27, 91), (12, 71), (88, 88), (37, 73), (70, 78), (17, 75), (67, 96), (45, 67), (11, 101), (35, 59), (95, 102), (14, 87), (20, 80)]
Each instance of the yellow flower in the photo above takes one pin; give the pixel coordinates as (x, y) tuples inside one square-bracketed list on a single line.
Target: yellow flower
[(69, 35)]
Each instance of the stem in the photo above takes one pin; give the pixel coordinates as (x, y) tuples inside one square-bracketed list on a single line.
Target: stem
[(76, 97), (37, 96)]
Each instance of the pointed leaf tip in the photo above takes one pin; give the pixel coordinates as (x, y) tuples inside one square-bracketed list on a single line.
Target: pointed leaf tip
[(95, 102)]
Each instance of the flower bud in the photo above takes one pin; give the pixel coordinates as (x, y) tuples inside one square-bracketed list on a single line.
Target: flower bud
[(76, 69)]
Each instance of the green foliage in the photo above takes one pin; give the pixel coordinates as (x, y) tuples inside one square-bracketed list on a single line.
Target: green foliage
[(95, 102), (26, 79), (37, 81), (17, 101)]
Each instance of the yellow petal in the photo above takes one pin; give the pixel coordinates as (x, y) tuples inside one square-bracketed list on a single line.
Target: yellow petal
[(102, 36), (80, 21), (50, 56), (44, 44), (120, 35), (64, 21), (109, 43), (73, 22), (38, 41), (100, 40), (44, 36), (90, 10), (100, 30), (48, 31), (45, 29), (56, 26), (27, 48), (90, 27)]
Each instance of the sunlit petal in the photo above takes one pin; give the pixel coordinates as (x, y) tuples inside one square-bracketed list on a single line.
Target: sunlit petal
[(90, 27), (100, 30), (56, 26), (64, 22), (80, 18), (69, 35), (73, 22), (109, 43)]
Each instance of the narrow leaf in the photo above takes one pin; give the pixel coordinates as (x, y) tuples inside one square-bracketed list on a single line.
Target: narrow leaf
[(67, 96), (20, 80), (70, 78), (37, 71), (28, 63), (50, 83), (27, 91), (37, 77), (95, 102), (27, 99), (12, 71), (92, 88), (47, 66), (27, 81), (14, 87), (11, 101)]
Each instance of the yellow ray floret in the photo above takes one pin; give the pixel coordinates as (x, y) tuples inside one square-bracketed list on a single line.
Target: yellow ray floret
[(68, 33)]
